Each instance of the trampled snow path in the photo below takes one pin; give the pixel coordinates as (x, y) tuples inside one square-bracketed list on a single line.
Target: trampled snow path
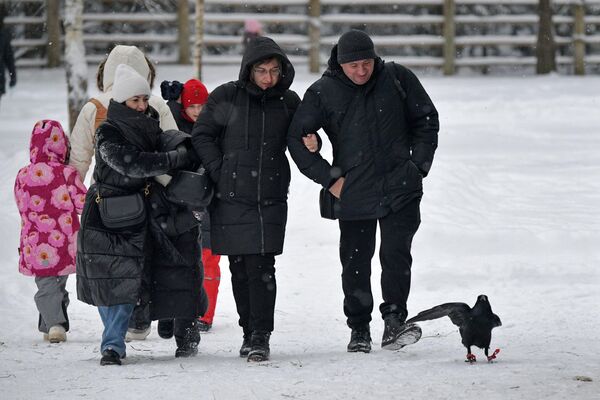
[(510, 210)]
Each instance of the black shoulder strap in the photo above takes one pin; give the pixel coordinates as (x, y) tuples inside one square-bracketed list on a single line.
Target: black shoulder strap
[(392, 71)]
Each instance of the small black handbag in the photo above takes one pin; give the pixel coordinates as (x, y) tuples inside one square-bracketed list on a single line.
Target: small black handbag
[(120, 212), (190, 189), (327, 204)]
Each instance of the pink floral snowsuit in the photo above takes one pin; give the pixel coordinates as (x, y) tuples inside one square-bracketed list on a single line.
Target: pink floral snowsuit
[(49, 196)]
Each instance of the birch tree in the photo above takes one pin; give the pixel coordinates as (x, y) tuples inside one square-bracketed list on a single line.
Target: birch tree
[(199, 38), (546, 48), (75, 63)]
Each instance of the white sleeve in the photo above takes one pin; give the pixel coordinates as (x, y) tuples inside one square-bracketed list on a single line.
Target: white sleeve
[(82, 140), (167, 121)]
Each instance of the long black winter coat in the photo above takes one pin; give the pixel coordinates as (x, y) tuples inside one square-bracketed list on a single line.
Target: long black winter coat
[(383, 135), (240, 137), (127, 266), (7, 60)]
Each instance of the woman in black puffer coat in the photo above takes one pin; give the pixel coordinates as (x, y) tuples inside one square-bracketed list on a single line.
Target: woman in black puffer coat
[(113, 265), (240, 137)]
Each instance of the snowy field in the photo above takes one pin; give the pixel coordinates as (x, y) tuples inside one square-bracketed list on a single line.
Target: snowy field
[(511, 210)]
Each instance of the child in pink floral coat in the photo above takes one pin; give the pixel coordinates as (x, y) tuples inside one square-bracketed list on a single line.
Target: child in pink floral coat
[(49, 196)]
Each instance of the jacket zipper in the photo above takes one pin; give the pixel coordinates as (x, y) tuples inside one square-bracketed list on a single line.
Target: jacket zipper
[(260, 158)]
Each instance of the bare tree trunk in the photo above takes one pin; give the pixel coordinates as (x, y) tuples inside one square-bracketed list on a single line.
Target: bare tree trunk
[(53, 32), (75, 64), (546, 48), (183, 31), (199, 42)]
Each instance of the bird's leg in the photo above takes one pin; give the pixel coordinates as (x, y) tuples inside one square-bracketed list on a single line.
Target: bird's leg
[(470, 356), (493, 356)]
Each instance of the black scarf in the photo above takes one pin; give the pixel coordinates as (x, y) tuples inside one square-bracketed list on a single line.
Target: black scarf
[(140, 129)]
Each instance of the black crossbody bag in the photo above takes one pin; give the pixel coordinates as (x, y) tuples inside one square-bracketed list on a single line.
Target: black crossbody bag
[(121, 212)]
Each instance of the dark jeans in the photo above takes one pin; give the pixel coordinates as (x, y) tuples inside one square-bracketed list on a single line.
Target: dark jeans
[(254, 289), (115, 320), (357, 247)]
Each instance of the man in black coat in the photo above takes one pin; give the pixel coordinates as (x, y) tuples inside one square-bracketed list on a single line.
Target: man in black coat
[(7, 61), (240, 137), (383, 129)]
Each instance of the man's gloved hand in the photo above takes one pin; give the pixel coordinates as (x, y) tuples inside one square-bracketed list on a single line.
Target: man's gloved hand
[(13, 80), (178, 158)]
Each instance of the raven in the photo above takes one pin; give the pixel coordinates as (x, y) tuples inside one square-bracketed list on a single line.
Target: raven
[(475, 324)]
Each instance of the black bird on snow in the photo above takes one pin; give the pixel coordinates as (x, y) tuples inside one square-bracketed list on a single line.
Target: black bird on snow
[(475, 324)]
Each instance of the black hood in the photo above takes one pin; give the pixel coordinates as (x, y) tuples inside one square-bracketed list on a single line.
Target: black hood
[(262, 48)]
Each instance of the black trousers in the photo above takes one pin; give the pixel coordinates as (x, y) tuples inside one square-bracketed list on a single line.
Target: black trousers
[(140, 318), (254, 289), (357, 247)]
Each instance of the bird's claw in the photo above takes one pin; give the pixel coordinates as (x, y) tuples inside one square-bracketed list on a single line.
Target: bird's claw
[(471, 358)]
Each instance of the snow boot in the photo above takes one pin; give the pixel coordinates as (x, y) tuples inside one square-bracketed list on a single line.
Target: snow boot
[(246, 346), (259, 343), (165, 328), (397, 333), (204, 326), (57, 334), (360, 340), (110, 357), (187, 346), (137, 334)]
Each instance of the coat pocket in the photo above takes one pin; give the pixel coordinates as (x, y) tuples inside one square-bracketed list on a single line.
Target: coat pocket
[(226, 184)]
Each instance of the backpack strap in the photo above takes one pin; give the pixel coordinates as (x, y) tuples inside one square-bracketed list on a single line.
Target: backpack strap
[(100, 112), (390, 68)]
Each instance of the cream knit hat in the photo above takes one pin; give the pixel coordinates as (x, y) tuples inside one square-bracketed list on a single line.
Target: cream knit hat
[(128, 83)]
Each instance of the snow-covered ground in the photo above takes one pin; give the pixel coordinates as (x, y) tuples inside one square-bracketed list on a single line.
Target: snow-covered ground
[(510, 210)]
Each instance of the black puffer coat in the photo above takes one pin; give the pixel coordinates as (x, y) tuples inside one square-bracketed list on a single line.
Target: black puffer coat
[(126, 266), (240, 137), (383, 135)]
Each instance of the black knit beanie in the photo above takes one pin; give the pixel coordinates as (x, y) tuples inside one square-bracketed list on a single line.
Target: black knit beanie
[(355, 45)]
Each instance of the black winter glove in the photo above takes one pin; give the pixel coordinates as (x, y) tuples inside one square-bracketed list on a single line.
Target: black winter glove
[(171, 90), (13, 80), (178, 158)]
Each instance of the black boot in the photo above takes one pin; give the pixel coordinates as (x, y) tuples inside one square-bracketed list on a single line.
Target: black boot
[(110, 357), (259, 343), (165, 328), (360, 340), (187, 345), (246, 345), (204, 326), (397, 334)]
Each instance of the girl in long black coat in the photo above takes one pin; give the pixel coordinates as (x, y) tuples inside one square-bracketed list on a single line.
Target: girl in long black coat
[(113, 264), (240, 137)]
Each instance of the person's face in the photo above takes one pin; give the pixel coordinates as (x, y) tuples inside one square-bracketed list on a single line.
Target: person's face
[(359, 71), (266, 75), (137, 103), (193, 111)]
